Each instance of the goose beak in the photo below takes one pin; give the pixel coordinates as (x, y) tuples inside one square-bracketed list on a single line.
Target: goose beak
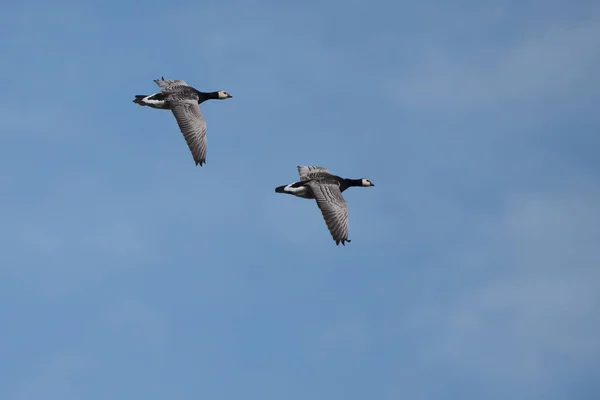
[(372, 184), (229, 96)]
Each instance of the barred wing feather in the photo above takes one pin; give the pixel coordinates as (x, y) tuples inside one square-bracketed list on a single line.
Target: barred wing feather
[(168, 84), (193, 127), (312, 172), (333, 207)]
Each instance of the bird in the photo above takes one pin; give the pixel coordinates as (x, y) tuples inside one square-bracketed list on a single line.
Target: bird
[(184, 102), (320, 184)]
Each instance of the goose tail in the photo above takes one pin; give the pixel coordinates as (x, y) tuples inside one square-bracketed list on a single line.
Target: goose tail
[(139, 99), (295, 189)]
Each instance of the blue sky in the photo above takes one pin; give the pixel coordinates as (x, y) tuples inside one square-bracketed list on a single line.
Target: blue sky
[(474, 267)]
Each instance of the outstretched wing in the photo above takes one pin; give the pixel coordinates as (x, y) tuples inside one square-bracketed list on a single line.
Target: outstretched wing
[(312, 172), (168, 84), (333, 207), (193, 127)]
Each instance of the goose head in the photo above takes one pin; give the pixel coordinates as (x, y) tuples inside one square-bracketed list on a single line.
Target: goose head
[(223, 95), (366, 182)]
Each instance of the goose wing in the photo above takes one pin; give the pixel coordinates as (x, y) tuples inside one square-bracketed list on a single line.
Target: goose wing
[(193, 127), (333, 207), (169, 83), (312, 172)]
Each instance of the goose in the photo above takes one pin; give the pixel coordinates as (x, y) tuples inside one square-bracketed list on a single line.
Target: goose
[(320, 184), (184, 102)]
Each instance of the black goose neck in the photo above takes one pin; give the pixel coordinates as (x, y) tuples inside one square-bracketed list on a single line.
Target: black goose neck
[(346, 183), (203, 96)]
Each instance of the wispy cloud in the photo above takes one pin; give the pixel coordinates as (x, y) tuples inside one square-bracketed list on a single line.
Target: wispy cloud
[(559, 60), (539, 305), (52, 378)]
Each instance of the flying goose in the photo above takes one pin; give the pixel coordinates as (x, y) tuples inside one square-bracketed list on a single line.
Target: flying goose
[(184, 102), (320, 184)]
